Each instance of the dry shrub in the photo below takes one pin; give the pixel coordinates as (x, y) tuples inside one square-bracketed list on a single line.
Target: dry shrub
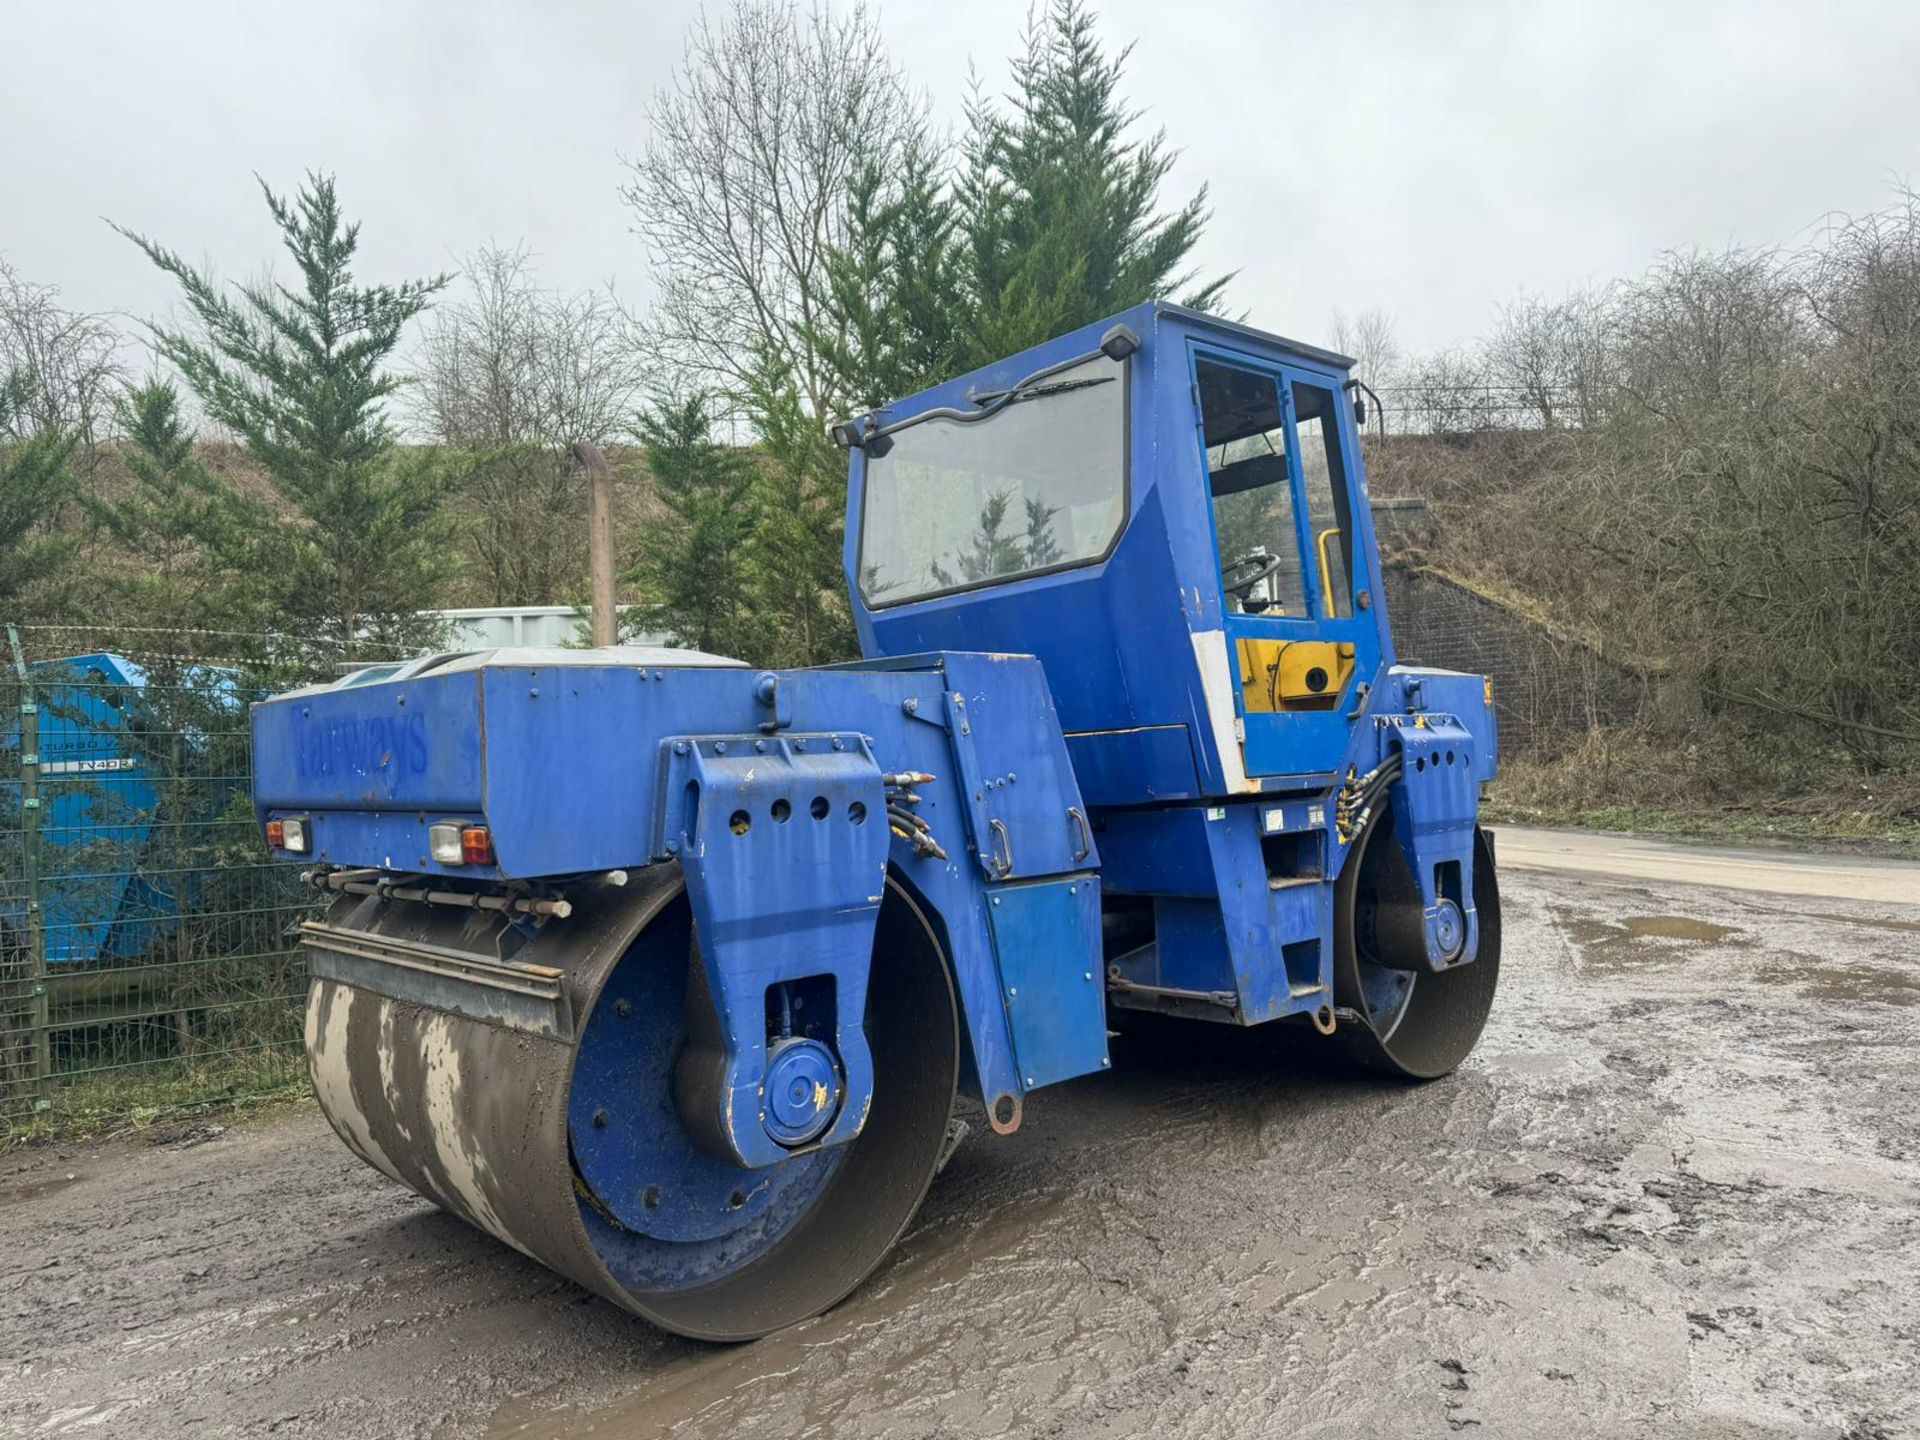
[(1711, 472)]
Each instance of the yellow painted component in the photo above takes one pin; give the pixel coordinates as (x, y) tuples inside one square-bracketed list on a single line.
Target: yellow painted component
[(1326, 571), (819, 1096), (1283, 675)]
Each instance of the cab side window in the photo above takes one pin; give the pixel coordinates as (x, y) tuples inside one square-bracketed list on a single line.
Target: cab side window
[(1329, 508), (1244, 432)]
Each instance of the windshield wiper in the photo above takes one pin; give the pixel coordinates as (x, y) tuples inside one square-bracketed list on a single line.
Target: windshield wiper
[(1116, 345), (1022, 393)]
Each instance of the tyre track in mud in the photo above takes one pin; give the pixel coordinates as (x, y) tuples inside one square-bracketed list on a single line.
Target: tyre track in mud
[(1673, 1194)]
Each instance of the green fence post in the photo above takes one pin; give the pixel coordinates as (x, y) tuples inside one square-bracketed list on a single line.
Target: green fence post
[(30, 824)]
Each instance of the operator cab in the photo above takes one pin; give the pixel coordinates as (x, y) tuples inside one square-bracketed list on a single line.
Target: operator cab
[(1168, 510)]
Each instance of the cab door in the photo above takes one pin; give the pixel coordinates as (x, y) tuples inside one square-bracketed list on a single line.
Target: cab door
[(1295, 574)]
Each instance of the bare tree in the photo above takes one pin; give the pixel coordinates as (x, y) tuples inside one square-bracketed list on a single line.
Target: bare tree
[(69, 361), (1719, 478), (514, 373), (741, 190), (514, 363), (1546, 360), (1442, 394), (1369, 338)]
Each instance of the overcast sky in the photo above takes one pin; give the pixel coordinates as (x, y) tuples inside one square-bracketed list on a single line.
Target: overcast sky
[(1430, 159)]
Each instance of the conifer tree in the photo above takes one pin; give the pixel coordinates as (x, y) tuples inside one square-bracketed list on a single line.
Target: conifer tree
[(1051, 220), (35, 482), (1059, 210), (800, 501), (893, 312), (692, 567), (193, 535), (360, 544)]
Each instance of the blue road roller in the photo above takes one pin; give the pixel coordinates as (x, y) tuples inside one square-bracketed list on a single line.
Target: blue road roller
[(669, 971)]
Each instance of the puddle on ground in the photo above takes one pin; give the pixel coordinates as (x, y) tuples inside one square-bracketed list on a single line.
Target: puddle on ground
[(1616, 945), (1673, 927), (1621, 945), (1815, 979)]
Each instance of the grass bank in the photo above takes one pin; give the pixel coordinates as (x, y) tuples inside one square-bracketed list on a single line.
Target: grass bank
[(1626, 784), (161, 1093)]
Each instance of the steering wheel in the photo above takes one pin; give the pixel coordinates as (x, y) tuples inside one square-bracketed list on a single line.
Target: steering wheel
[(1257, 563)]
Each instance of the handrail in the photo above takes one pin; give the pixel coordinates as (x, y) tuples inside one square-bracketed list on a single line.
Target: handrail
[(1326, 570)]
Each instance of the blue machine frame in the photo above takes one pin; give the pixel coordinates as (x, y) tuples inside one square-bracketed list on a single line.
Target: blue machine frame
[(1081, 743)]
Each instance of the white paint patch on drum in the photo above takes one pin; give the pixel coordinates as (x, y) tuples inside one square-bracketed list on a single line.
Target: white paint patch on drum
[(466, 1168), (329, 1009), (390, 1087)]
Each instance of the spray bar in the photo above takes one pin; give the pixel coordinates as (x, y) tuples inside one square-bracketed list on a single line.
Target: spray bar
[(374, 882)]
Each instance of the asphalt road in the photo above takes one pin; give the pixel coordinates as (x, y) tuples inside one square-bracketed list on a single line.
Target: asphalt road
[(1774, 872), (1674, 1193)]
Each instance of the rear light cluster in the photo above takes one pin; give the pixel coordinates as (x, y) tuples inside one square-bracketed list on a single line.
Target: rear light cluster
[(453, 844), (289, 834), (449, 842)]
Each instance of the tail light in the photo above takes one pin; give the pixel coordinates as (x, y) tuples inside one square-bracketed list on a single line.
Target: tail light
[(289, 834), (451, 843), (443, 844)]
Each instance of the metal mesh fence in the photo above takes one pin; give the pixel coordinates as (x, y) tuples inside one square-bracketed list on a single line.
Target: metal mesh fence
[(1416, 407), (147, 957)]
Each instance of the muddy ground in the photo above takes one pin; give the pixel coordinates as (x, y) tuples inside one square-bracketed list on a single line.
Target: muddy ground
[(1674, 1194)]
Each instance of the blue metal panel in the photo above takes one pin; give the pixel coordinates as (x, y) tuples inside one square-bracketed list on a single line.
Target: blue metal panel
[(1254, 936), (1025, 813), (1190, 953), (1262, 921), (1235, 928), (1156, 852), (1125, 767), (784, 843), (1048, 939), (572, 756), (1436, 805), (1467, 698), (396, 746)]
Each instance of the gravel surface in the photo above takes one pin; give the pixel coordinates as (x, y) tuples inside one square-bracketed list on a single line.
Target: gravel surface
[(1673, 1194)]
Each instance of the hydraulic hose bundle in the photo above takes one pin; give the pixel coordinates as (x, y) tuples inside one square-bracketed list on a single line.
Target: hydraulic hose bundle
[(902, 818), (1360, 794)]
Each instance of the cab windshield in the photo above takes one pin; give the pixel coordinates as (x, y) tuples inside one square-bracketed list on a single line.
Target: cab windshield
[(1039, 486)]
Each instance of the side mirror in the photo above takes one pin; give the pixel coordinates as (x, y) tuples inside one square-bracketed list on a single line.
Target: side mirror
[(1360, 411)]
